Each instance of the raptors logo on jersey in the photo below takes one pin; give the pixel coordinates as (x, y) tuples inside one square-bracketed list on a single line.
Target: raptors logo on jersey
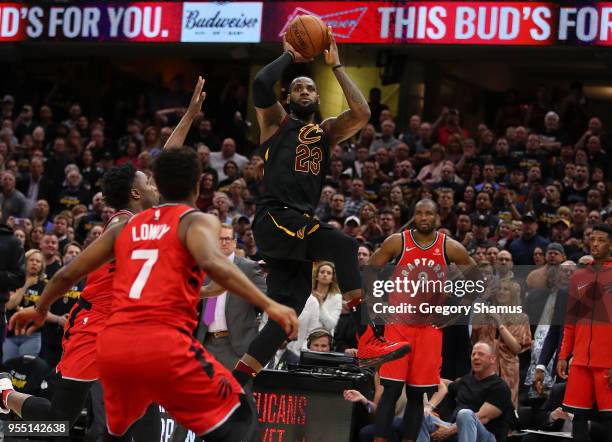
[(420, 275)]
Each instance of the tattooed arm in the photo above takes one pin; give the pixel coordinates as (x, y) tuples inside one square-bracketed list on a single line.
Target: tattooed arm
[(349, 122)]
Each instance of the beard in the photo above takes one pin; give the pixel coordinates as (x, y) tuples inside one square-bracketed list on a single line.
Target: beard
[(301, 111)]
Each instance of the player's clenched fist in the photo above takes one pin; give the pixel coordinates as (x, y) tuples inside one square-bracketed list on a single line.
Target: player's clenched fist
[(285, 317)]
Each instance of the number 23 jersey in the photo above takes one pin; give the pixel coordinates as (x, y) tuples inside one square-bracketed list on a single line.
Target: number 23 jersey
[(157, 281), (296, 159)]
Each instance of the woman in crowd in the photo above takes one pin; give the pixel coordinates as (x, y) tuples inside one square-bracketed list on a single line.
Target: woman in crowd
[(369, 221), (26, 296), (207, 192), (508, 332), (151, 141), (326, 291), (538, 257), (231, 171)]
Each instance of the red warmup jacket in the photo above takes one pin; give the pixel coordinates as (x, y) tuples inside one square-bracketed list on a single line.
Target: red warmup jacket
[(588, 322)]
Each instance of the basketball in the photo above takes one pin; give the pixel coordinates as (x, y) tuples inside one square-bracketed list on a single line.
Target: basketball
[(308, 35)]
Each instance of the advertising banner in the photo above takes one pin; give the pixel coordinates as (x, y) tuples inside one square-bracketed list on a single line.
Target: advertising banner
[(137, 21), (374, 22), (221, 22), (460, 23)]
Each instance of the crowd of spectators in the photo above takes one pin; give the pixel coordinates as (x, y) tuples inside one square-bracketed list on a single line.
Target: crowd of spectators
[(524, 189)]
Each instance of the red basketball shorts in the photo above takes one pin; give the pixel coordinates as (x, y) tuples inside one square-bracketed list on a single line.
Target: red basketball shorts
[(141, 365), (79, 356), (420, 367), (587, 389)]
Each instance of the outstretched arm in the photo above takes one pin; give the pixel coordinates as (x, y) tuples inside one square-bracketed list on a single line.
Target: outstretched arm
[(349, 122), (177, 138)]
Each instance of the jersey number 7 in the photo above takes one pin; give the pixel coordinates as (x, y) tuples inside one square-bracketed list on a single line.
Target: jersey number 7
[(150, 257)]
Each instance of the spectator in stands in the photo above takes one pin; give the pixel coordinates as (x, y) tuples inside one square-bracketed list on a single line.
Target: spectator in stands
[(74, 192), (35, 185), (320, 340), (356, 200), (231, 173), (227, 153), (449, 179), (433, 172), (326, 291), (229, 323), (555, 255), (337, 209), (12, 201), (539, 257), (522, 249), (448, 124), (508, 333), (25, 296), (483, 404), (387, 137), (204, 157)]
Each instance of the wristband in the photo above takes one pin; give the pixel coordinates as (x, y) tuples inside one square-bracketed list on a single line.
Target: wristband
[(291, 54), (336, 67), (541, 367)]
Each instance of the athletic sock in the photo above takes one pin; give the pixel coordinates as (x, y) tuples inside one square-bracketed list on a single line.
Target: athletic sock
[(354, 306), (243, 373), (5, 394)]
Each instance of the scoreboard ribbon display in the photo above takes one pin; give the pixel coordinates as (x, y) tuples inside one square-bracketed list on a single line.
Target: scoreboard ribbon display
[(376, 22)]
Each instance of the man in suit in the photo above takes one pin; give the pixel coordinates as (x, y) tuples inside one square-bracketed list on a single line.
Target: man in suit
[(35, 185), (228, 324)]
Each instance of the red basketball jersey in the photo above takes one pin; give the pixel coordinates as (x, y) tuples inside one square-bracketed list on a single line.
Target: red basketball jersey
[(157, 281), (99, 285), (422, 271)]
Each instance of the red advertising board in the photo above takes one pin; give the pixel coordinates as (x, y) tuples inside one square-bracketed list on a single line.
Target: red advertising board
[(473, 23), (129, 21), (378, 22)]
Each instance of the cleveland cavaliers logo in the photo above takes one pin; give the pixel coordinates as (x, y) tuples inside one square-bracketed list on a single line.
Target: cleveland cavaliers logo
[(310, 134)]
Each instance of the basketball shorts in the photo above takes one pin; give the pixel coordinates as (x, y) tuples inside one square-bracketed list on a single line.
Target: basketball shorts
[(587, 390), (79, 354), (141, 365), (290, 242), (421, 367)]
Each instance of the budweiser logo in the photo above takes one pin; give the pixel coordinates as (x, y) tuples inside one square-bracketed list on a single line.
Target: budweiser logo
[(343, 22), (194, 20)]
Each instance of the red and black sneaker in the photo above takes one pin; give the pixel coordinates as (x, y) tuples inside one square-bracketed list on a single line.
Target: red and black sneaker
[(375, 350)]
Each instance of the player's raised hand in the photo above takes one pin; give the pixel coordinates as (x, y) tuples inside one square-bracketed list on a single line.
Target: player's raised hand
[(27, 321), (286, 318), (297, 57), (198, 97), (332, 58)]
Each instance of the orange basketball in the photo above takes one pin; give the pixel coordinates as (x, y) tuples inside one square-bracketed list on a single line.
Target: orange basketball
[(308, 35)]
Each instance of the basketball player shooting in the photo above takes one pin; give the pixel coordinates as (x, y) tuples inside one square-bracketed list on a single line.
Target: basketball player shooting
[(296, 156), (416, 253)]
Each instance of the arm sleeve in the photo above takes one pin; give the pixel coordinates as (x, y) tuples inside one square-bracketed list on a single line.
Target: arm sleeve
[(13, 276), (263, 84), (550, 345), (567, 346), (329, 313)]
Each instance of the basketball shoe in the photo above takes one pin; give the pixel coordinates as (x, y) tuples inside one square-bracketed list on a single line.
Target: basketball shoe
[(374, 350)]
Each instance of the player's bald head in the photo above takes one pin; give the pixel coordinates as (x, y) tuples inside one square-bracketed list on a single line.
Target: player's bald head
[(304, 80), (427, 203)]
